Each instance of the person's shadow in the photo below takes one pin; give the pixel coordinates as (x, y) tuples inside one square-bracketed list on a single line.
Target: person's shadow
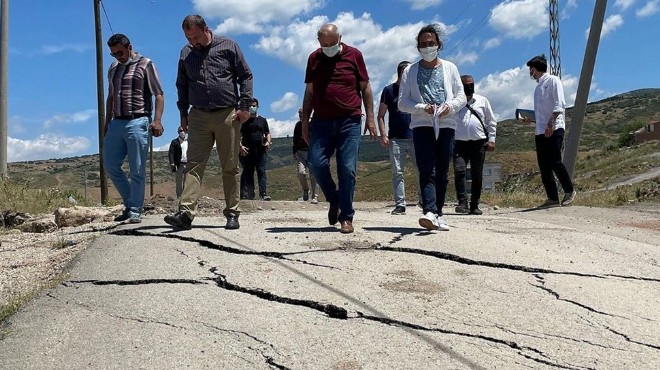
[(326, 229)]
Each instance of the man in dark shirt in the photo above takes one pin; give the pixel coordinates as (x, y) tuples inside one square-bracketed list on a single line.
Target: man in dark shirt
[(300, 151), (398, 139), (214, 78), (336, 85), (133, 80), (255, 142), (178, 158)]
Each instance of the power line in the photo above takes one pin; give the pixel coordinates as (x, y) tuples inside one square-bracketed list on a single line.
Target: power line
[(106, 17), (476, 27)]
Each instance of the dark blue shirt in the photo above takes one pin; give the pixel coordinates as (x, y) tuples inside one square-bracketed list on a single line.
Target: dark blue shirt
[(399, 122)]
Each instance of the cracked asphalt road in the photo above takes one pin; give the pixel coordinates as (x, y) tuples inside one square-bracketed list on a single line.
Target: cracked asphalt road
[(566, 288)]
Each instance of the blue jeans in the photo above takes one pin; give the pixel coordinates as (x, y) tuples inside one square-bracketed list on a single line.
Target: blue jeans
[(127, 138), (326, 136), (433, 157), (399, 150)]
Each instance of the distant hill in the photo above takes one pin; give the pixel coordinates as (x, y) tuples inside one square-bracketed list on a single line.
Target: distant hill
[(604, 122)]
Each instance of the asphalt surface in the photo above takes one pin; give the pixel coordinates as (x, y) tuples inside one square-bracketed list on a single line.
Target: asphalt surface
[(562, 288)]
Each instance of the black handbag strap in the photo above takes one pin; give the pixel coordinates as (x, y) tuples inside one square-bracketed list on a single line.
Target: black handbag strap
[(478, 117)]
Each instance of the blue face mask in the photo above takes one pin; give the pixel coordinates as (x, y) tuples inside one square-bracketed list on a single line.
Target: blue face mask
[(253, 110)]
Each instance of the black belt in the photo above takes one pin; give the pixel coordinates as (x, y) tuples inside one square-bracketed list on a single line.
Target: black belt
[(133, 116), (209, 110)]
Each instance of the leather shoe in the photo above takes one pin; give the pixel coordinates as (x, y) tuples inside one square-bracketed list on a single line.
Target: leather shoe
[(333, 215), (346, 227), (232, 222), (179, 220)]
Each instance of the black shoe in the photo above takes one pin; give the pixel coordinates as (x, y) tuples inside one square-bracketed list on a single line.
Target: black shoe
[(462, 207), (475, 211), (399, 210), (179, 220), (125, 215), (333, 215), (232, 222), (265, 197), (306, 195)]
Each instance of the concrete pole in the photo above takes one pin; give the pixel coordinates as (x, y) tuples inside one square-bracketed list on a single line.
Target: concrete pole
[(4, 75), (580, 108), (101, 101)]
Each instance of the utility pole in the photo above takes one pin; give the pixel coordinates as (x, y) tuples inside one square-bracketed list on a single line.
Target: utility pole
[(555, 57), (101, 101), (4, 75), (580, 107)]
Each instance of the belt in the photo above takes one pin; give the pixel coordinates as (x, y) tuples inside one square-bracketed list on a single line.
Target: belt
[(209, 110), (133, 116)]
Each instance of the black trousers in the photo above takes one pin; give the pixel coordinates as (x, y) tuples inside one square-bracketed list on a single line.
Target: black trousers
[(254, 160), (473, 152), (548, 155)]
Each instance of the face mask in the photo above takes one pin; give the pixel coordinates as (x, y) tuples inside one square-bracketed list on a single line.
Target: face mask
[(253, 110), (182, 135), (531, 74), (469, 89), (429, 54), (331, 51)]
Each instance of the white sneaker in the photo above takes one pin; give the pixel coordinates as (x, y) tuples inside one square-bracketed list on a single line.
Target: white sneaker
[(442, 225), (429, 221), (568, 198), (315, 200)]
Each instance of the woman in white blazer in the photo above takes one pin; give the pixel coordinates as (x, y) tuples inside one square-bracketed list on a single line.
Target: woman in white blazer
[(432, 92)]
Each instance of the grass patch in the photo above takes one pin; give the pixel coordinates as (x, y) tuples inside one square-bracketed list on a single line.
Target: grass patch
[(24, 196)]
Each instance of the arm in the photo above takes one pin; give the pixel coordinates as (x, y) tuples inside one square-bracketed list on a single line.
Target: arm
[(108, 111), (558, 109), (307, 110), (182, 92), (156, 126), (244, 80), (170, 155), (459, 100), (491, 125), (269, 139), (382, 109), (406, 102), (368, 101)]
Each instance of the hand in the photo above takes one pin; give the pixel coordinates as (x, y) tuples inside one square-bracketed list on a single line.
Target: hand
[(371, 126), (548, 131), (429, 108), (173, 167), (444, 110), (267, 145), (156, 128), (490, 146), (241, 115), (244, 151), (526, 120), (384, 141), (184, 123)]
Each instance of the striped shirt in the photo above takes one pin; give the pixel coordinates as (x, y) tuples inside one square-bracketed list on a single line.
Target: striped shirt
[(216, 76), (132, 85)]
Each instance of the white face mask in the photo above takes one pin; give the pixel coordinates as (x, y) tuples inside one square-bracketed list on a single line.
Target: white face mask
[(253, 110), (429, 54), (331, 51)]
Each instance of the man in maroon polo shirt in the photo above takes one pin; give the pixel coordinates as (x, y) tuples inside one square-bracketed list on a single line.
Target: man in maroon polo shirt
[(336, 85)]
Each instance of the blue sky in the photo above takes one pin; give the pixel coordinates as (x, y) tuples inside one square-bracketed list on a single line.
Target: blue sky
[(52, 66)]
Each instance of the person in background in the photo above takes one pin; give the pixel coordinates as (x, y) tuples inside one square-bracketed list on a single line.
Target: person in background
[(549, 106), (132, 83), (300, 151), (336, 86), (215, 79), (475, 134), (398, 138), (255, 142), (177, 157), (432, 92)]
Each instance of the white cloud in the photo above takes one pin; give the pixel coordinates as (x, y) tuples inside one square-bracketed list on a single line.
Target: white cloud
[(464, 58), (293, 43), (610, 25), (649, 9), (251, 16), (520, 19), (46, 146), (288, 101), (55, 49), (281, 128), (492, 43), (75, 117), (623, 4), (423, 4), (513, 89)]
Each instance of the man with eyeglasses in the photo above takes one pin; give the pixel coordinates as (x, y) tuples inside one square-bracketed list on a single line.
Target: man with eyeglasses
[(215, 80), (177, 156), (133, 81)]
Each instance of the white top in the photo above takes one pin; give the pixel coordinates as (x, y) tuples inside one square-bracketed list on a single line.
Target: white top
[(469, 127), (184, 150), (548, 98), (410, 98)]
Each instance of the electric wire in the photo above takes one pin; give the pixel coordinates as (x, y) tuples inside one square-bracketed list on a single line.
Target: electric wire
[(106, 17)]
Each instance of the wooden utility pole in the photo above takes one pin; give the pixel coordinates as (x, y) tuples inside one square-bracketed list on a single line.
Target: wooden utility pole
[(4, 48), (101, 101), (580, 107)]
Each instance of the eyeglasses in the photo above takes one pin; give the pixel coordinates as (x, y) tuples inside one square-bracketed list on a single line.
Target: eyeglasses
[(118, 54)]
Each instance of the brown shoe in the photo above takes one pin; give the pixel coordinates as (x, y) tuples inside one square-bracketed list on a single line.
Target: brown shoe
[(346, 227), (333, 215)]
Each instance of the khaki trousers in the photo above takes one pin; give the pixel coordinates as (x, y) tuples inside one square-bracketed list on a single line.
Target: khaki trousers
[(205, 129)]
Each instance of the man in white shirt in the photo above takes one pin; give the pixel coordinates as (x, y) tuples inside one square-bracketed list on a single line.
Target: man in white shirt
[(549, 105), (475, 134), (178, 159)]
